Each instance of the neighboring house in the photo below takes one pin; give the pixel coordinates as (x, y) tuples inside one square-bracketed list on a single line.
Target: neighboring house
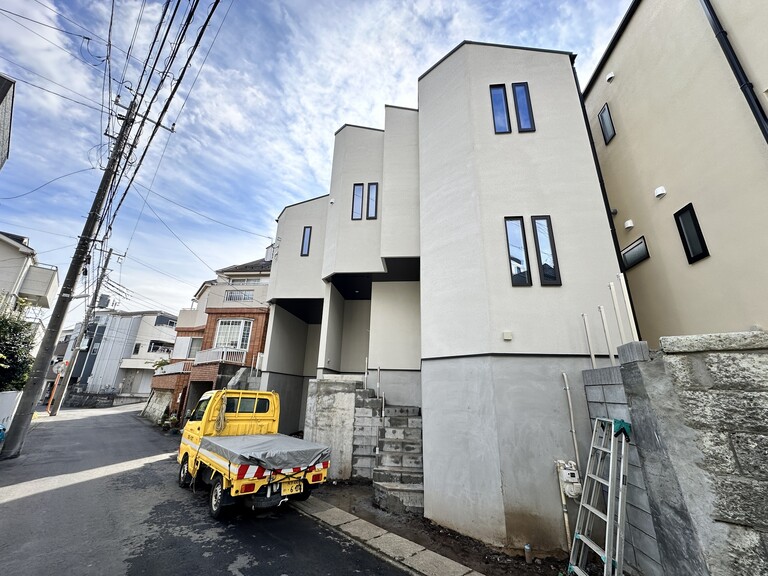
[(125, 355), (22, 276), (218, 342), (684, 156), (456, 252), (7, 91)]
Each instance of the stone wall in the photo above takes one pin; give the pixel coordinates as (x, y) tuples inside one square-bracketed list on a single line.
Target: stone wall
[(700, 416), (330, 419)]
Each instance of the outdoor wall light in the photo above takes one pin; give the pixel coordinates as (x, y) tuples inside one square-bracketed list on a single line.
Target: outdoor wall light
[(610, 77), (628, 225), (660, 192)]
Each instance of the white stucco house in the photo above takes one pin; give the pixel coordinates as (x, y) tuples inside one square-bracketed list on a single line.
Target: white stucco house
[(456, 251)]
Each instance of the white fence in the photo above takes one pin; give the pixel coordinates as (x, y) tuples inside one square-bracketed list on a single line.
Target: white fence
[(229, 355)]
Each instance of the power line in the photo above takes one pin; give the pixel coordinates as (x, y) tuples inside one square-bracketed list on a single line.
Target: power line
[(37, 229), (44, 24), (46, 184), (159, 271), (57, 94)]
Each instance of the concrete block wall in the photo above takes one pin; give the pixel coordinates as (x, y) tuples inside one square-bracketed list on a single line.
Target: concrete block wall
[(329, 420), (368, 420), (606, 398)]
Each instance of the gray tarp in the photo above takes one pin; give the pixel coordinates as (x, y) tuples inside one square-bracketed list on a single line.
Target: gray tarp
[(271, 451)]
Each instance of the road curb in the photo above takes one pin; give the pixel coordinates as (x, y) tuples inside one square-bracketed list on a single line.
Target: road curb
[(409, 556)]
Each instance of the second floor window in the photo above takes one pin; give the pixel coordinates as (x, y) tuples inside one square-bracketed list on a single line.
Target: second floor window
[(357, 202), (517, 251), (233, 333), (523, 108), (305, 238), (238, 296), (606, 124), (501, 124), (373, 200)]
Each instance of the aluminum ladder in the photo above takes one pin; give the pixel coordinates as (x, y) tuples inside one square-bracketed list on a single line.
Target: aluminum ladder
[(605, 482)]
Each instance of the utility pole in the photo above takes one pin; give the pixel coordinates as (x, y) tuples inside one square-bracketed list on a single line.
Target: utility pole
[(62, 390), (33, 389)]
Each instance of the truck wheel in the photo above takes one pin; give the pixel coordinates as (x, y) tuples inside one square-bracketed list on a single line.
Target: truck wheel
[(185, 479), (216, 499)]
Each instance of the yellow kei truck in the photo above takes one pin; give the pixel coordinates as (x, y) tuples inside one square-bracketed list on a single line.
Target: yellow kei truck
[(230, 443)]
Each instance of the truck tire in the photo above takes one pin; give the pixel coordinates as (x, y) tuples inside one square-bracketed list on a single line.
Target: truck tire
[(185, 478), (216, 498)]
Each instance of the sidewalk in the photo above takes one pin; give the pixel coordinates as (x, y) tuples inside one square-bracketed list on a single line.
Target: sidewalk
[(409, 555)]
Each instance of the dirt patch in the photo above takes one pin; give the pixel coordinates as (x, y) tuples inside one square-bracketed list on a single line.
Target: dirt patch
[(357, 498)]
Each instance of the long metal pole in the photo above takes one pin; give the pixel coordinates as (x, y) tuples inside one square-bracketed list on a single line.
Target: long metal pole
[(62, 390), (612, 288), (608, 342), (34, 386)]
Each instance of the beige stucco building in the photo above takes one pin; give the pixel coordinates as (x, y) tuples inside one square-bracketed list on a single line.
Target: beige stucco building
[(456, 252), (681, 138)]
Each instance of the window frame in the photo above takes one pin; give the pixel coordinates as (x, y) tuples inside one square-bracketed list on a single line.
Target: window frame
[(689, 210), (362, 198), (529, 106), (631, 247), (524, 249), (503, 88), (368, 216), (605, 110), (229, 296), (306, 239), (558, 281), (243, 322)]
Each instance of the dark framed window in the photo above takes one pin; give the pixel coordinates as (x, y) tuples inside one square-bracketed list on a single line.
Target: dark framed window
[(606, 124), (373, 201), (690, 234), (546, 254), (523, 108), (517, 250), (357, 202), (635, 253), (305, 239), (501, 123)]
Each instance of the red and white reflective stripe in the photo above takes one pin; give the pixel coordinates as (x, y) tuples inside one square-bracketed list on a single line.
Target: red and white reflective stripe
[(246, 471), (322, 465)]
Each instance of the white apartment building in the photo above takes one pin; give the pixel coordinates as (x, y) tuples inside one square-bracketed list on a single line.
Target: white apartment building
[(456, 251)]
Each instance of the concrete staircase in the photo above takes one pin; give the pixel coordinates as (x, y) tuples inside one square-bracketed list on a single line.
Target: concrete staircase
[(398, 478)]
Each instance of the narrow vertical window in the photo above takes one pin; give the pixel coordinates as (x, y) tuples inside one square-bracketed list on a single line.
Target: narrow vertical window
[(606, 124), (518, 251), (373, 201), (501, 124), (357, 202), (523, 108), (549, 270), (305, 240), (690, 234)]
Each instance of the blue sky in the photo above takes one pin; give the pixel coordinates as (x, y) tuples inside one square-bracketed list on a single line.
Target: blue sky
[(254, 123)]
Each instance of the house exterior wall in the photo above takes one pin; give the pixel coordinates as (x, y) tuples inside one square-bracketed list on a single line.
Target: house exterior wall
[(260, 317), (286, 344), (395, 326), (293, 275), (14, 269), (682, 122), (354, 342), (468, 185), (353, 245), (116, 343), (399, 192)]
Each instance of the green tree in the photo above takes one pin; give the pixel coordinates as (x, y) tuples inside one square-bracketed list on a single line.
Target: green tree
[(17, 337)]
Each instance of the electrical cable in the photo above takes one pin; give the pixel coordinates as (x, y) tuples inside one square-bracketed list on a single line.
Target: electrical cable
[(46, 184), (57, 94)]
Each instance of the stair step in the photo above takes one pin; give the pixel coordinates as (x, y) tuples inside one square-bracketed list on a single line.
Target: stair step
[(361, 394), (400, 446), (409, 461), (394, 433), (397, 497), (398, 474), (372, 403), (402, 411)]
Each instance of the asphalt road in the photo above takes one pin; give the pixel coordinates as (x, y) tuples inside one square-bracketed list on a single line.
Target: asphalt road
[(94, 493)]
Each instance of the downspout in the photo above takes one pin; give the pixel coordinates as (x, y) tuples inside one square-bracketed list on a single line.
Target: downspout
[(738, 71)]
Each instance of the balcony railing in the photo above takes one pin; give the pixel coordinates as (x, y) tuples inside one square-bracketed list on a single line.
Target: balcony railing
[(176, 368), (229, 355)]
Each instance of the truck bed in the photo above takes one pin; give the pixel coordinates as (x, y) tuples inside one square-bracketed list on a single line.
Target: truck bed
[(270, 451)]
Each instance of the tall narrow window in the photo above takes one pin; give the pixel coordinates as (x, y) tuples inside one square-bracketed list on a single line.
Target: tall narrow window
[(606, 124), (373, 201), (501, 124), (549, 270), (518, 251), (305, 240), (523, 108), (357, 202), (690, 234)]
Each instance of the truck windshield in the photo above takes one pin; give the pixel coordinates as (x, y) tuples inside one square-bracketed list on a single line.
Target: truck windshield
[(200, 409)]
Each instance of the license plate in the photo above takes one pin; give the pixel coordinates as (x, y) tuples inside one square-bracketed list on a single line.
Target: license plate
[(292, 487)]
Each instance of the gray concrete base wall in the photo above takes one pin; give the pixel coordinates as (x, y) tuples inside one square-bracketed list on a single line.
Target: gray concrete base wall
[(293, 393), (700, 416), (330, 420), (493, 427)]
